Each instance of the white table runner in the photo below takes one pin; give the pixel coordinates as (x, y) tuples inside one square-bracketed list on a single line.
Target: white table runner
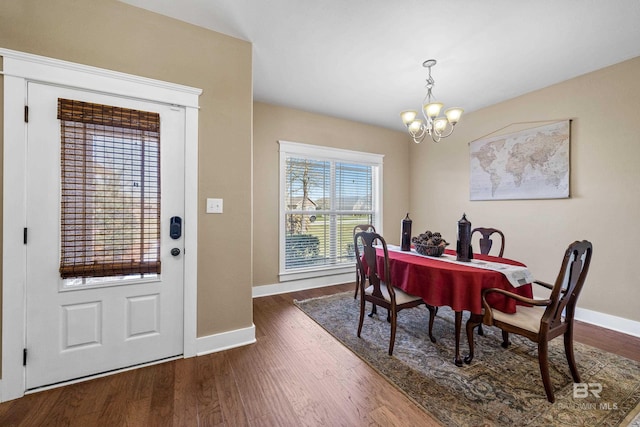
[(515, 274)]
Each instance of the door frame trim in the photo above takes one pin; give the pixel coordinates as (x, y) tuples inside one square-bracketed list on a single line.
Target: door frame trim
[(19, 69)]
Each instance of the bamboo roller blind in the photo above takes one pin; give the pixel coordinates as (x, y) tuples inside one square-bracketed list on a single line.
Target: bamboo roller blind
[(110, 190)]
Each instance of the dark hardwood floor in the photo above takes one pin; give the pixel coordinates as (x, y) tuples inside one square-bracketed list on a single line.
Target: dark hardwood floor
[(295, 375)]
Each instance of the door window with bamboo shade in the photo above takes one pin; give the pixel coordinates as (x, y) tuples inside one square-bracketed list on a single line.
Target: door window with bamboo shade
[(110, 192)]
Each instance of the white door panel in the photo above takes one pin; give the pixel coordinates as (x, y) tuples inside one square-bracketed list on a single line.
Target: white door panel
[(75, 331)]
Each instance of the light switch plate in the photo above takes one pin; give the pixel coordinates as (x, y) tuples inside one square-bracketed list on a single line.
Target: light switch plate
[(214, 206)]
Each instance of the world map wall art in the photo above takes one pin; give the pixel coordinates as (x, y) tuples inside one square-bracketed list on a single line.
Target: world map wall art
[(528, 164)]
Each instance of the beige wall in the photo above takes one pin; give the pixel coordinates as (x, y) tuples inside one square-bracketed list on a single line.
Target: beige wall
[(604, 206), (272, 123), (115, 36)]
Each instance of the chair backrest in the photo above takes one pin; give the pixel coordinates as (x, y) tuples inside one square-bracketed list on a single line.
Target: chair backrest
[(565, 292), (366, 240), (485, 240), (363, 227)]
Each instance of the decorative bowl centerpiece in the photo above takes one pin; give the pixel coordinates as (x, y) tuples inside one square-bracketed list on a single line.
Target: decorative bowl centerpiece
[(430, 250), (428, 243)]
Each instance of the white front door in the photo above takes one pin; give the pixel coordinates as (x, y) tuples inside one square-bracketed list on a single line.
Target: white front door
[(78, 327)]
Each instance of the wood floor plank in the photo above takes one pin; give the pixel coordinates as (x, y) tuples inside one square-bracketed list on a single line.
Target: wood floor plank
[(32, 409), (608, 340), (301, 380), (296, 374), (262, 395), (231, 403), (185, 402), (162, 398), (137, 412), (117, 393), (209, 411)]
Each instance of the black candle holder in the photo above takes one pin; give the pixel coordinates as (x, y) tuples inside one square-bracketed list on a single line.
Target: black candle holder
[(463, 247), (405, 236)]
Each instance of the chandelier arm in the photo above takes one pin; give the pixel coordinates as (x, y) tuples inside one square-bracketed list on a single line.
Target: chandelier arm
[(444, 135), (420, 134), (418, 137)]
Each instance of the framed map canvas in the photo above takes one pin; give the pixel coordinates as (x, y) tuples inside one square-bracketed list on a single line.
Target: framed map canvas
[(528, 164)]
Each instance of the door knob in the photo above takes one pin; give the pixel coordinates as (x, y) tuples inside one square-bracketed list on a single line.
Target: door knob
[(175, 251)]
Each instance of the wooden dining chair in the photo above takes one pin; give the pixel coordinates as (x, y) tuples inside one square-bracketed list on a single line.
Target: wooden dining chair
[(356, 229), (486, 242), (376, 286), (542, 319)]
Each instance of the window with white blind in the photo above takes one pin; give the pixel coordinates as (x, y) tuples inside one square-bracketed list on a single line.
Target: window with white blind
[(324, 193)]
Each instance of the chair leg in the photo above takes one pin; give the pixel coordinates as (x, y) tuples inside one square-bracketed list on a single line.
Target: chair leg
[(505, 339), (357, 285), (374, 310), (568, 351), (480, 331), (432, 316), (392, 339), (361, 315), (543, 359)]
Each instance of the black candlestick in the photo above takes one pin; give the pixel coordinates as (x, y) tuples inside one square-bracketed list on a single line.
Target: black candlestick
[(463, 247), (405, 238)]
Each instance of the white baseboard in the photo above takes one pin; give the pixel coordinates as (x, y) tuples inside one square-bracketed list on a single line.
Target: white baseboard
[(225, 340), (302, 284), (620, 324)]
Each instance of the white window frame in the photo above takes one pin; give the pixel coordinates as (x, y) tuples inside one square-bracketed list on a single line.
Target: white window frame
[(316, 152)]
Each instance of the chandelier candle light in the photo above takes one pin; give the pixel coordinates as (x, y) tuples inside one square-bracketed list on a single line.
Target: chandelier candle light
[(436, 127)]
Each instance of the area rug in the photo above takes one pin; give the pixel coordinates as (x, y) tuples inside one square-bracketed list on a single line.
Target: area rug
[(501, 387)]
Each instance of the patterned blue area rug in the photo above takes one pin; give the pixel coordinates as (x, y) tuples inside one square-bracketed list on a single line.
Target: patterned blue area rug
[(501, 387)]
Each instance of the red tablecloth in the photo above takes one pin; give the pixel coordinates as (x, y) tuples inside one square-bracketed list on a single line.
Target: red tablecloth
[(442, 283)]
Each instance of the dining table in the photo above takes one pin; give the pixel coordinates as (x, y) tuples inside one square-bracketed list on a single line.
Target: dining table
[(444, 281)]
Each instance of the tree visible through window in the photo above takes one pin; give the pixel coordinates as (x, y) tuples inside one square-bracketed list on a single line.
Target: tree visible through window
[(110, 190), (323, 199)]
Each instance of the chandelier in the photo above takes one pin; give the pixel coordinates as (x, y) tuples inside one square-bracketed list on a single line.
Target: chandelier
[(436, 127)]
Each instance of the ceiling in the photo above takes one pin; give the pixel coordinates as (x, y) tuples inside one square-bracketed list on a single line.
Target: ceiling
[(362, 59)]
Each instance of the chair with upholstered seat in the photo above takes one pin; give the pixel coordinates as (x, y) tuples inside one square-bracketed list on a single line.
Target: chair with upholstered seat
[(375, 286), (486, 242), (356, 229), (541, 320)]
